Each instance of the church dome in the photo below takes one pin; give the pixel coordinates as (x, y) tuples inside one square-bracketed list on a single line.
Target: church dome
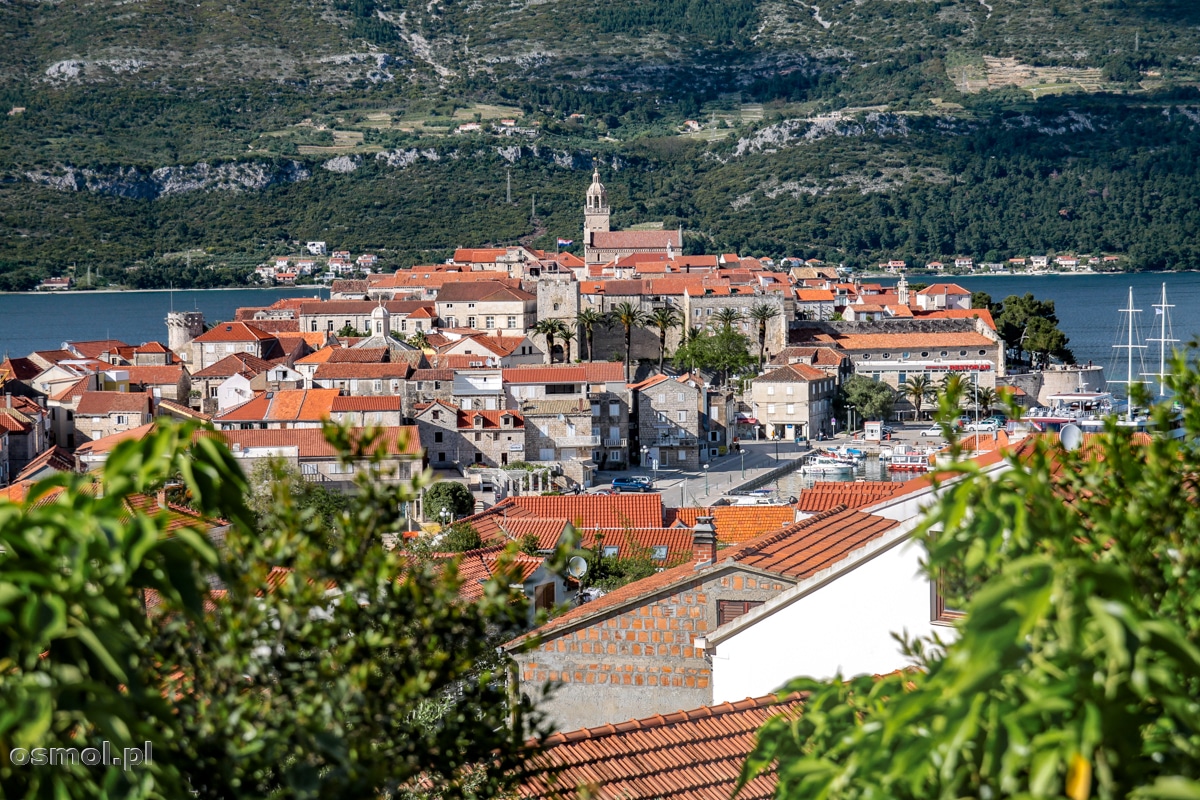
[(597, 197)]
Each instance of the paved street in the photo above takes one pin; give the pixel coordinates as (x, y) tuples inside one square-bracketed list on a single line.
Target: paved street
[(724, 473)]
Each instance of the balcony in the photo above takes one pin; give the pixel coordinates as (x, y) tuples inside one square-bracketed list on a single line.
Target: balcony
[(673, 441), (616, 442), (577, 441)]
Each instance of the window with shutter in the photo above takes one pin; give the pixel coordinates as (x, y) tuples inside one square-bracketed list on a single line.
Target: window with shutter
[(729, 610)]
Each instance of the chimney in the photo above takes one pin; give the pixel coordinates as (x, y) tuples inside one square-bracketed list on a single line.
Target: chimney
[(704, 542), (8, 400), (161, 496)]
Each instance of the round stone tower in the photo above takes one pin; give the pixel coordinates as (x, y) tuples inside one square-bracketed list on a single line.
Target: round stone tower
[(182, 327)]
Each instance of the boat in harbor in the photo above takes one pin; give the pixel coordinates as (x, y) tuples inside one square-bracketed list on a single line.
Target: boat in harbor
[(826, 465), (908, 462)]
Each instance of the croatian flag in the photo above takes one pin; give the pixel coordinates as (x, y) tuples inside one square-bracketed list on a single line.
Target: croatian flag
[(565, 242)]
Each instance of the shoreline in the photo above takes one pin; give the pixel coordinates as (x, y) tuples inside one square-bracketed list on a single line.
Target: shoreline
[(77, 292)]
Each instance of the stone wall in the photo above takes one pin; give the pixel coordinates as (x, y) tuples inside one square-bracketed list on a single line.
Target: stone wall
[(638, 661)]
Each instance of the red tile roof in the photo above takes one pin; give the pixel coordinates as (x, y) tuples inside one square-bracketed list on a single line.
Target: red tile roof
[(636, 240), (490, 420), (792, 373), (827, 495), (639, 541), (107, 443), (362, 371), (477, 566), (236, 364), (98, 347), (20, 368), (100, 404), (151, 347), (943, 288), (372, 403), (697, 755), (913, 340), (288, 405), (734, 524), (233, 332), (311, 441), (358, 355), (155, 375), (74, 391), (584, 511), (56, 458), (797, 551), (958, 313), (482, 291), (14, 421)]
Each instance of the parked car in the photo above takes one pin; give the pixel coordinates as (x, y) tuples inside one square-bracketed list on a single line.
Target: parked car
[(984, 426), (631, 484), (936, 430)]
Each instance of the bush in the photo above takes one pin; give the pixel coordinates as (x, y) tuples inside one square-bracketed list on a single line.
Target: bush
[(454, 497)]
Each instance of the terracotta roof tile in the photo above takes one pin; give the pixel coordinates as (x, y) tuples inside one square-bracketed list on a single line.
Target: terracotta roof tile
[(107, 443), (236, 364), (639, 541), (74, 391), (943, 288), (155, 375), (695, 754), (20, 368), (97, 347), (482, 291), (547, 531), (362, 371), (105, 403), (584, 511), (233, 332), (792, 373), (169, 407), (311, 441), (622, 240), (358, 355), (370, 403), (913, 340), (56, 458), (826, 495), (490, 420), (151, 347)]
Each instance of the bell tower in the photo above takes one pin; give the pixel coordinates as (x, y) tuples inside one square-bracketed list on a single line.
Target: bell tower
[(595, 209)]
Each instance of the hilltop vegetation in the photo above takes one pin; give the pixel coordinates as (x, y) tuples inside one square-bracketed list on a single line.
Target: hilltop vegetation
[(151, 128)]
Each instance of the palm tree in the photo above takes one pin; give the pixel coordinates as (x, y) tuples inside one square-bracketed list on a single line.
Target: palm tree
[(664, 318), (550, 329), (628, 316), (588, 319), (685, 355), (762, 314), (985, 398), (727, 318), (567, 334), (917, 389), (419, 340)]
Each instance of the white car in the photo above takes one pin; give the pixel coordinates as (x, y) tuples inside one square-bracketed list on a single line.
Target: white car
[(984, 426), (936, 430)]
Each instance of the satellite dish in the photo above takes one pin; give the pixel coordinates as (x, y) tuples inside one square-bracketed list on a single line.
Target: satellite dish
[(1071, 436), (577, 567)]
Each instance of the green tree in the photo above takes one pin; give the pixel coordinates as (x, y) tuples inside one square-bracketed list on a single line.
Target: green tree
[(871, 399), (917, 389), (587, 320), (567, 334), (981, 300), (628, 316), (761, 314), (419, 340), (549, 329), (664, 318), (1043, 339), (726, 318), (255, 690), (1014, 316), (459, 538), (349, 330), (448, 496), (725, 353), (1074, 672)]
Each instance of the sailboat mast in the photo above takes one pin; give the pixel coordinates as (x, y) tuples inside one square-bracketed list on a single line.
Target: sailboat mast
[(1129, 359), (1163, 338)]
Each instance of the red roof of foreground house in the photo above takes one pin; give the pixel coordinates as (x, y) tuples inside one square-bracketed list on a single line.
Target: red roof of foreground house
[(694, 754), (56, 458), (477, 566), (797, 551), (233, 332), (100, 404)]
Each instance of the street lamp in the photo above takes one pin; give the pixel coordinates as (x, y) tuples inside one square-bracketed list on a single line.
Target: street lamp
[(706, 481), (743, 453), (849, 418), (645, 450), (445, 515)]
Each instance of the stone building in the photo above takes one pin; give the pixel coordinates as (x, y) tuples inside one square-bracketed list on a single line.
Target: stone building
[(699, 305), (681, 422), (894, 351), (182, 328), (794, 401), (225, 339), (454, 437), (562, 431), (102, 414), (487, 306), (601, 244), (635, 651)]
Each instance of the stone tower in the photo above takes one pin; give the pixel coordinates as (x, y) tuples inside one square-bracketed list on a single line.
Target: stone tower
[(595, 209), (558, 298), (902, 290), (182, 327)]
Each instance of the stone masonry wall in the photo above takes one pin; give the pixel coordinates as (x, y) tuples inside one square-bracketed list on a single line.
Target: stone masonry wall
[(640, 661)]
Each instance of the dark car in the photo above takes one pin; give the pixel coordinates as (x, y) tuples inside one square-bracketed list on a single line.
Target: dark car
[(631, 485)]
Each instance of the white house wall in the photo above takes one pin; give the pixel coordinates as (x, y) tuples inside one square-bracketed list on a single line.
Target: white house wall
[(843, 626)]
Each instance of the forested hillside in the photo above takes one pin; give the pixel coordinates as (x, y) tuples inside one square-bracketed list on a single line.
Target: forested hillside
[(852, 131)]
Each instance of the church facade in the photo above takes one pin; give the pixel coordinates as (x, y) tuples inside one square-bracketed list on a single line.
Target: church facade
[(601, 244)]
